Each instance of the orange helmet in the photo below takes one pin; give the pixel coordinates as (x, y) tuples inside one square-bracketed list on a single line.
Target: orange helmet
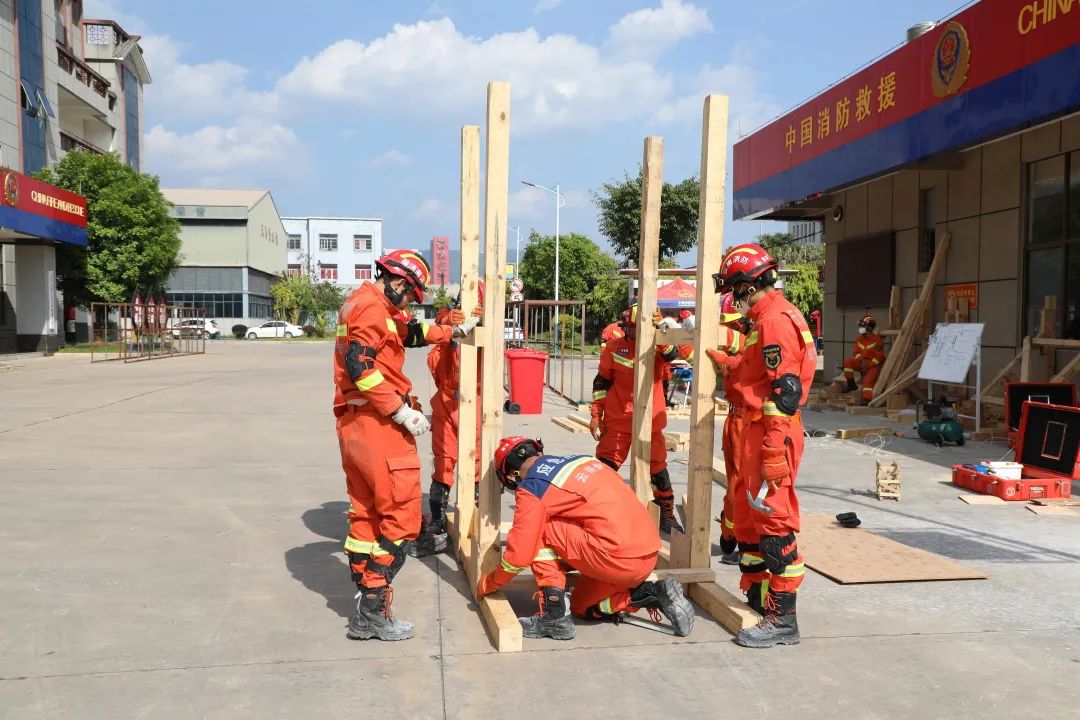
[(512, 452), (748, 263), (408, 265), (868, 322)]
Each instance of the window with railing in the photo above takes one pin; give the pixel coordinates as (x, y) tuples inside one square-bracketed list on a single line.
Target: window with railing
[(327, 243), (361, 243)]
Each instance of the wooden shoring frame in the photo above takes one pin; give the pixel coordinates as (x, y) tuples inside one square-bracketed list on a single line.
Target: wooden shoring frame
[(692, 550), (475, 532)]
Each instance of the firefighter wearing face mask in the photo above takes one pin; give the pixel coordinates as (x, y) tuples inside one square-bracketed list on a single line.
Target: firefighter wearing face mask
[(867, 359), (612, 411), (377, 421), (777, 369), (444, 363)]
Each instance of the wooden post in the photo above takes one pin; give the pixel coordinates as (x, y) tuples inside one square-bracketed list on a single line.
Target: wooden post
[(1025, 360), (703, 407), (496, 198), (468, 404), (652, 172), (894, 308)]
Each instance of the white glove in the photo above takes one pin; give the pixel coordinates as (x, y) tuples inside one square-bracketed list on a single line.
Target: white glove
[(412, 420), (669, 323), (466, 327)]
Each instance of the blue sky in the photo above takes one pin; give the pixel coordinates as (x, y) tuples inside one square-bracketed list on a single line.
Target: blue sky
[(353, 107)]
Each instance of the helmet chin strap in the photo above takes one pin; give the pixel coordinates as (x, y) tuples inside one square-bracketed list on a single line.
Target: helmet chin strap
[(396, 298)]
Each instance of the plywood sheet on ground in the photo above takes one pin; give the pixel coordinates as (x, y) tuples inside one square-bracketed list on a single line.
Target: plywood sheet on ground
[(854, 555)]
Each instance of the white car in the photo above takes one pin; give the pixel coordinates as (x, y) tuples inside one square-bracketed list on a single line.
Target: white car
[(275, 329), (512, 333), (195, 327)]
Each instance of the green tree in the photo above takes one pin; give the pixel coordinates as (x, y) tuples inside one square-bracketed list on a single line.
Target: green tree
[(131, 240), (294, 296), (442, 298), (327, 299), (586, 273), (789, 251), (803, 288), (619, 203)]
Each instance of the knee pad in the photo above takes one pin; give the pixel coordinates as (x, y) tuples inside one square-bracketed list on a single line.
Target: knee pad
[(396, 552), (354, 560), (779, 551)]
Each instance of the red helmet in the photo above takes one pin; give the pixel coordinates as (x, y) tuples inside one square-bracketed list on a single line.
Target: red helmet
[(683, 315), (868, 322), (728, 312), (409, 265), (746, 263), (511, 453)]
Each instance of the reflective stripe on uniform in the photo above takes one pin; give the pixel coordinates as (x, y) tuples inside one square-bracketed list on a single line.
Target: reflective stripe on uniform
[(376, 549), (362, 547), (752, 338), (425, 327), (748, 558), (728, 524), (567, 470), (545, 553), (807, 337), (876, 361), (391, 325), (605, 606), (342, 330), (769, 408), (792, 571), (369, 381), (512, 569), (625, 362), (599, 395)]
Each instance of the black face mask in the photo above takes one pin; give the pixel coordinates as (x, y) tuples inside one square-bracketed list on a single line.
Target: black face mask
[(395, 297)]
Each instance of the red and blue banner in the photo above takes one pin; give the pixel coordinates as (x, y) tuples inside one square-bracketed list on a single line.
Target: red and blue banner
[(40, 210), (997, 67)]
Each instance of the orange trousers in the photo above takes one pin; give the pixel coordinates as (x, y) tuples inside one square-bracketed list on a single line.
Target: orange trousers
[(869, 370), (444, 438), (737, 523), (783, 504), (382, 477), (606, 581), (615, 445)]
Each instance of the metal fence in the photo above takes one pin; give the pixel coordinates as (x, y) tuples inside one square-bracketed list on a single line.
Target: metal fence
[(136, 332), (558, 329)]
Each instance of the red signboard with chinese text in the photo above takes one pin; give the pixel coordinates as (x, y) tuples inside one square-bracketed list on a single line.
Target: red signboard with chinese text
[(965, 291), (40, 198), (985, 42)]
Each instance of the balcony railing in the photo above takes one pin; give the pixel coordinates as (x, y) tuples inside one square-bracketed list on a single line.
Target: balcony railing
[(82, 72), (70, 142)]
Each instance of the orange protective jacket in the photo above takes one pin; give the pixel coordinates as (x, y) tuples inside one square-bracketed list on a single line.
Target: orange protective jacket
[(374, 334), (732, 342), (870, 347), (780, 344), (581, 490), (613, 386), (611, 332)]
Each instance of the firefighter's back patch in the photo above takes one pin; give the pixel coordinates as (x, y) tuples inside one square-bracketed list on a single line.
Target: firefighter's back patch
[(772, 356)]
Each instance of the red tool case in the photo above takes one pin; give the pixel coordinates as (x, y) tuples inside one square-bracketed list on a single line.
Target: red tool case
[(1017, 393), (1048, 446)]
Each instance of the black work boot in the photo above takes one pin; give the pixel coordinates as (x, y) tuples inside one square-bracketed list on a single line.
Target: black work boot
[(753, 598), (777, 627), (437, 498), (433, 538), (667, 597), (668, 520), (373, 618), (851, 386), (553, 620)]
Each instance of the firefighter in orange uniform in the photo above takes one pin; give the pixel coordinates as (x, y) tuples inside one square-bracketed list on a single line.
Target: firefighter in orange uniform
[(576, 513), (444, 363), (611, 332), (612, 412), (735, 524), (776, 371), (377, 421), (867, 359)]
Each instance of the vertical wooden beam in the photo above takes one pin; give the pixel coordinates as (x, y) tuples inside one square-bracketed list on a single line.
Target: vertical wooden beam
[(468, 404), (652, 172), (1025, 360), (894, 308), (496, 198), (703, 407)]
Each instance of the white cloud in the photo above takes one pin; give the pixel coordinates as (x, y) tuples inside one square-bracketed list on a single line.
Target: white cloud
[(250, 148), (530, 204), (390, 158), (430, 70), (113, 10), (649, 32), (431, 208), (544, 5)]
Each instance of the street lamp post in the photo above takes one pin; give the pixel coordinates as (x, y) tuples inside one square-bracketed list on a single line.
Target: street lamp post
[(559, 202), (517, 268)]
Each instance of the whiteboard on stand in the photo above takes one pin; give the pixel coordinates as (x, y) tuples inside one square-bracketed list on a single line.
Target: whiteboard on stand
[(951, 352)]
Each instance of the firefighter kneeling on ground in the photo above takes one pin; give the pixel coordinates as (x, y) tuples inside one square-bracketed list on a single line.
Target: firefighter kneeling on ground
[(576, 513), (377, 421), (867, 359), (444, 362), (776, 370), (612, 411)]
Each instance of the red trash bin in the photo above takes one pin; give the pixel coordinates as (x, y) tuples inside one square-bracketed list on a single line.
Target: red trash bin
[(526, 370)]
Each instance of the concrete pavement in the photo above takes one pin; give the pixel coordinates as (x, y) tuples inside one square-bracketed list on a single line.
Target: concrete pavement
[(170, 547)]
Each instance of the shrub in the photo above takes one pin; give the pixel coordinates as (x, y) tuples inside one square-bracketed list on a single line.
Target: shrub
[(310, 331), (239, 331)]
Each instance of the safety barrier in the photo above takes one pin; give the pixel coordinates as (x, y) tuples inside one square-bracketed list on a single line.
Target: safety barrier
[(557, 327), (135, 332)]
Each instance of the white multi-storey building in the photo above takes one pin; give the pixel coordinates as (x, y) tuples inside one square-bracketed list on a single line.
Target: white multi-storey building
[(807, 232), (66, 82), (341, 250)]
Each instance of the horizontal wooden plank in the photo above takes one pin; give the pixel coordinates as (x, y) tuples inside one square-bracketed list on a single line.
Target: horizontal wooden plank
[(674, 336), (862, 410), (723, 606), (1058, 343), (854, 433), (568, 425), (499, 618)]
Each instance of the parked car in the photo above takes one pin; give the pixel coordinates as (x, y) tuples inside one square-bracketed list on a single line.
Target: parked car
[(511, 332), (275, 329), (196, 327)]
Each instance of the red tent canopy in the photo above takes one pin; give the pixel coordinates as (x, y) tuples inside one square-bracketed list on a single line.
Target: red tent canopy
[(677, 294)]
